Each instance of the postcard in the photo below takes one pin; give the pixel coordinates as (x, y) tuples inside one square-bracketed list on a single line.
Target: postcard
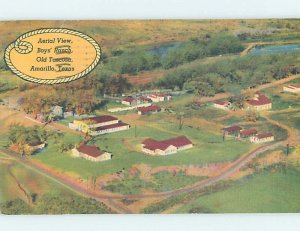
[(150, 116)]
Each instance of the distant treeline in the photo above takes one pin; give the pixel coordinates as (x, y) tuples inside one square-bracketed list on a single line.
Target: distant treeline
[(230, 74), (135, 60)]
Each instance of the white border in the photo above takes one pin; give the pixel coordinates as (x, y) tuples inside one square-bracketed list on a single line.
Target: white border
[(145, 9)]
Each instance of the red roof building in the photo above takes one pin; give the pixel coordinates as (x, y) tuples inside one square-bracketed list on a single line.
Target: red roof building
[(99, 125), (259, 102), (222, 104), (165, 147), (234, 128), (130, 101), (262, 138), (91, 152), (101, 119), (292, 88), (148, 110), (247, 133)]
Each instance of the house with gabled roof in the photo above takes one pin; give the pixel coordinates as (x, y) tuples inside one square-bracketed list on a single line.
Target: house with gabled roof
[(130, 101), (99, 125), (91, 152), (149, 110), (292, 88), (248, 133), (232, 130), (225, 105), (259, 102), (166, 147), (262, 138)]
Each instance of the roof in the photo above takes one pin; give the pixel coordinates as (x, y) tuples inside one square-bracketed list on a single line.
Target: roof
[(261, 99), (128, 99), (116, 125), (292, 86), (101, 119), (150, 108), (264, 135), (90, 150), (248, 132), (35, 143), (177, 142), (232, 128)]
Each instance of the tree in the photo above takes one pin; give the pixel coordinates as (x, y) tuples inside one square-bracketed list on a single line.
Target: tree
[(252, 115), (180, 117)]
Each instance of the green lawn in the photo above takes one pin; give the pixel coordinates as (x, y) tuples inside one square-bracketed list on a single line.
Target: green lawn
[(160, 182), (66, 121), (208, 148), (292, 119), (31, 181), (262, 193), (166, 181)]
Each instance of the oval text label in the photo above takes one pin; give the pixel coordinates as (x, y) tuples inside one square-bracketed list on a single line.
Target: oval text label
[(51, 56)]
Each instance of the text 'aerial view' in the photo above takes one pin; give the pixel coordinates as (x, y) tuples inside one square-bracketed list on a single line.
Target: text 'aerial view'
[(150, 116)]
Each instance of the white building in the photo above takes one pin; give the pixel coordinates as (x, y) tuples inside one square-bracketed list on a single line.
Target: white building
[(225, 105), (291, 88), (262, 138), (91, 152), (166, 147), (99, 125)]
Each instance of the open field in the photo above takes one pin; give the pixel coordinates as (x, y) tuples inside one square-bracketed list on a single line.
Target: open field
[(125, 148), (292, 119), (13, 173), (265, 192)]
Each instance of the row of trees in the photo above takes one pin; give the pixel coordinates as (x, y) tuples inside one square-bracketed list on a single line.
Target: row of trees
[(21, 138), (79, 96), (231, 75), (134, 61)]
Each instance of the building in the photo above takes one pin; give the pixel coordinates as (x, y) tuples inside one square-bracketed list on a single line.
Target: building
[(259, 102), (248, 133), (149, 110), (130, 101), (166, 147), (144, 99), (262, 138), (99, 125), (291, 88), (222, 105), (58, 111), (68, 113), (156, 98), (120, 126), (233, 130), (91, 152)]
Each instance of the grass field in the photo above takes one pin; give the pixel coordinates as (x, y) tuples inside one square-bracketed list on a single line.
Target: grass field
[(31, 181), (292, 119), (125, 148), (262, 193), (160, 182)]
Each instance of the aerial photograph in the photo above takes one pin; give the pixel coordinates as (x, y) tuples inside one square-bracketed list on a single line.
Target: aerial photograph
[(172, 117)]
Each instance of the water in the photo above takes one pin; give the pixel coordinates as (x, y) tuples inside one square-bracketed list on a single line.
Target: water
[(275, 49), (162, 50)]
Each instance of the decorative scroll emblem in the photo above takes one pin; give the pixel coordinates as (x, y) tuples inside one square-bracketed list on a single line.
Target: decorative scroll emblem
[(50, 56)]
